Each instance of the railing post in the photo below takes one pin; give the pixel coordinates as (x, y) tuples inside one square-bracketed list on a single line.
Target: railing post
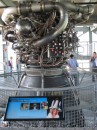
[(95, 85)]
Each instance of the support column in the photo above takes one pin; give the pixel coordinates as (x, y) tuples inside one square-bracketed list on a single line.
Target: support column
[(5, 58), (90, 51)]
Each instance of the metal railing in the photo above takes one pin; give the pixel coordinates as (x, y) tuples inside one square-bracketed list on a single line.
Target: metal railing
[(80, 104)]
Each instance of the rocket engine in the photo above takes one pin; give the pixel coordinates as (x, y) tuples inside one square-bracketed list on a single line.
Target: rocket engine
[(42, 34)]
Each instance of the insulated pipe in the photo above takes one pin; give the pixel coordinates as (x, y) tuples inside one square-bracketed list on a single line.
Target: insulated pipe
[(38, 7), (75, 8)]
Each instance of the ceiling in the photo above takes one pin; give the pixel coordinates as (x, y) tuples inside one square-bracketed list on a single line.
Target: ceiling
[(91, 21)]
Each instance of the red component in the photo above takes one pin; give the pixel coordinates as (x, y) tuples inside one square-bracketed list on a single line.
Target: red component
[(52, 49), (62, 53), (55, 52)]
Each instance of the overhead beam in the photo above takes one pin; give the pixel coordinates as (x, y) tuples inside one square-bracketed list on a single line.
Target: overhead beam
[(8, 2), (83, 29)]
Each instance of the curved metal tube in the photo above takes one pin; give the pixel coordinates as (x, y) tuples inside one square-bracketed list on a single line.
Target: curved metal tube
[(58, 29)]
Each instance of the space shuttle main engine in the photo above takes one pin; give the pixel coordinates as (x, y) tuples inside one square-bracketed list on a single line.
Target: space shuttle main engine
[(42, 34)]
